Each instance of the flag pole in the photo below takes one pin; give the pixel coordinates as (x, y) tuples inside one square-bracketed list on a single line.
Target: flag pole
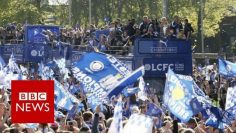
[(219, 87)]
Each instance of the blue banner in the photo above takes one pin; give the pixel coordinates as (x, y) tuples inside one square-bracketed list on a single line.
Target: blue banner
[(158, 67), (177, 97), (39, 34), (130, 91), (219, 118), (2, 62), (157, 55), (155, 46), (227, 68), (63, 98), (126, 81), (154, 110), (17, 49), (35, 52), (102, 75)]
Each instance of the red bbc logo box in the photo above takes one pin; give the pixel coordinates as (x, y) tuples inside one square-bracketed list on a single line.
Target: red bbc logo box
[(32, 101)]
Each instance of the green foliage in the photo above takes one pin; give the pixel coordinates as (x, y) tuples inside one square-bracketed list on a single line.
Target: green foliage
[(34, 10), (17, 11)]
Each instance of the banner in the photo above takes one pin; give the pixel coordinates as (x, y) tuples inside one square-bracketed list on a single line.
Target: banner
[(63, 98), (177, 96), (130, 91), (231, 100), (227, 68), (35, 53), (102, 75), (116, 125), (154, 110), (158, 55), (2, 63), (154, 67), (38, 34), (17, 49), (219, 118)]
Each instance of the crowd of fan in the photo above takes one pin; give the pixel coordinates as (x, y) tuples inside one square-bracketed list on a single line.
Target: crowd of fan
[(120, 34), (99, 121)]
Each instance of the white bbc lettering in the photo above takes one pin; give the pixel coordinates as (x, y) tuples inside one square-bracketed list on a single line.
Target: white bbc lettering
[(23, 96), (32, 96), (28, 107), (42, 96)]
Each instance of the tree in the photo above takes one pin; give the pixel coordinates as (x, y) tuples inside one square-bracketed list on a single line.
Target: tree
[(16, 11)]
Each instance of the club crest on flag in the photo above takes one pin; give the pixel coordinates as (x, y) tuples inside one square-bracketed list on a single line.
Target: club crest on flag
[(103, 76), (96, 66)]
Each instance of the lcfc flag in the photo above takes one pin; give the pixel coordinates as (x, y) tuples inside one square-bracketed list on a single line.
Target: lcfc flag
[(219, 118), (63, 98), (2, 62), (153, 110), (201, 100), (116, 125), (138, 123), (130, 91), (177, 97), (102, 76), (231, 100), (227, 68), (126, 81)]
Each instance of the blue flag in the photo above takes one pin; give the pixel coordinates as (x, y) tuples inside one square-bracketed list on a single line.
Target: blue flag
[(63, 98), (103, 76), (130, 91), (231, 100), (61, 63), (227, 68), (200, 97), (213, 122), (154, 110), (58, 114), (2, 62), (219, 118), (196, 106), (116, 125), (12, 66), (177, 97), (74, 89), (126, 81), (72, 112)]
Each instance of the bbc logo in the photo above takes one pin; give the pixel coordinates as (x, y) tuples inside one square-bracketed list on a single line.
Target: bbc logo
[(33, 96)]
